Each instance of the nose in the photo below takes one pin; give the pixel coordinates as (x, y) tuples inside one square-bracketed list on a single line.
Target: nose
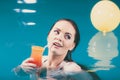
[(59, 37)]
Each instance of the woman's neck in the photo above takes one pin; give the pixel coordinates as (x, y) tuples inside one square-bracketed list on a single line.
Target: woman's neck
[(54, 61)]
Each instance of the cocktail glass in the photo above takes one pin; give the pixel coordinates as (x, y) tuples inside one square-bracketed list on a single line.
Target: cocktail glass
[(36, 54)]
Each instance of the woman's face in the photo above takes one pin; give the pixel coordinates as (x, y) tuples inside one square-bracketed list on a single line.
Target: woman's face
[(61, 38)]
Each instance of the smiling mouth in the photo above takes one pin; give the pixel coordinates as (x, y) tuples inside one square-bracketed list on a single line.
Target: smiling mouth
[(57, 44)]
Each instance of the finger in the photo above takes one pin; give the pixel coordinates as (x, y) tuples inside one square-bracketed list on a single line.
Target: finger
[(29, 69), (28, 60), (30, 65)]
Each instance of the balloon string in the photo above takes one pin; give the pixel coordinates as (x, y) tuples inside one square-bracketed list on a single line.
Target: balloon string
[(104, 33)]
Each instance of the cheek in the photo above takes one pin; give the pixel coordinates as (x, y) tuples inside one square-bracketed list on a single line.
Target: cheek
[(68, 44), (50, 39)]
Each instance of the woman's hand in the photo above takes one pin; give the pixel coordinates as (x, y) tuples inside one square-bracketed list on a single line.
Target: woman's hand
[(28, 66)]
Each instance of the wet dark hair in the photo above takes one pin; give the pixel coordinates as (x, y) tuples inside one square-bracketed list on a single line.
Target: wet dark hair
[(76, 40)]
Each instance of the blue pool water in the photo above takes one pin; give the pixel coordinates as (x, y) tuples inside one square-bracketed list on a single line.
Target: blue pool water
[(23, 24)]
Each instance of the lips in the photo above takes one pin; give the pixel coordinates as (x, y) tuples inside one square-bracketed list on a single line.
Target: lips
[(57, 44)]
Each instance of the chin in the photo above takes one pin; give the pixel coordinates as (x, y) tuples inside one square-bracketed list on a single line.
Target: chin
[(55, 53)]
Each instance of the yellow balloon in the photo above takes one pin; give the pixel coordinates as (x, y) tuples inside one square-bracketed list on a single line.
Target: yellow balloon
[(105, 16)]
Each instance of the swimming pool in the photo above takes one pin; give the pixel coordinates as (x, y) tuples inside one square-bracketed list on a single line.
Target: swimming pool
[(23, 24)]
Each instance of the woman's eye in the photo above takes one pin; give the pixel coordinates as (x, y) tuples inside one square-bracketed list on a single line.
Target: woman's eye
[(67, 36), (56, 31)]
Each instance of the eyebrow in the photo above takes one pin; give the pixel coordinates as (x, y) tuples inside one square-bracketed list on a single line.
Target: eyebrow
[(57, 28), (65, 32), (68, 33)]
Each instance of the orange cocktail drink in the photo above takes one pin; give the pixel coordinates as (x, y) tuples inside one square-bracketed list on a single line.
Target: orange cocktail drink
[(36, 54)]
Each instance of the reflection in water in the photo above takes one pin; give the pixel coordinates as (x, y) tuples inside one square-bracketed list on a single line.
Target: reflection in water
[(26, 13), (26, 1), (104, 49), (61, 75), (24, 10)]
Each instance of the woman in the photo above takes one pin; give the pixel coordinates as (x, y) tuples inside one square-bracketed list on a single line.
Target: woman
[(62, 40)]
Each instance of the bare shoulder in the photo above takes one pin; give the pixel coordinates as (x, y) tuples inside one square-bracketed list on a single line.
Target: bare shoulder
[(72, 67)]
